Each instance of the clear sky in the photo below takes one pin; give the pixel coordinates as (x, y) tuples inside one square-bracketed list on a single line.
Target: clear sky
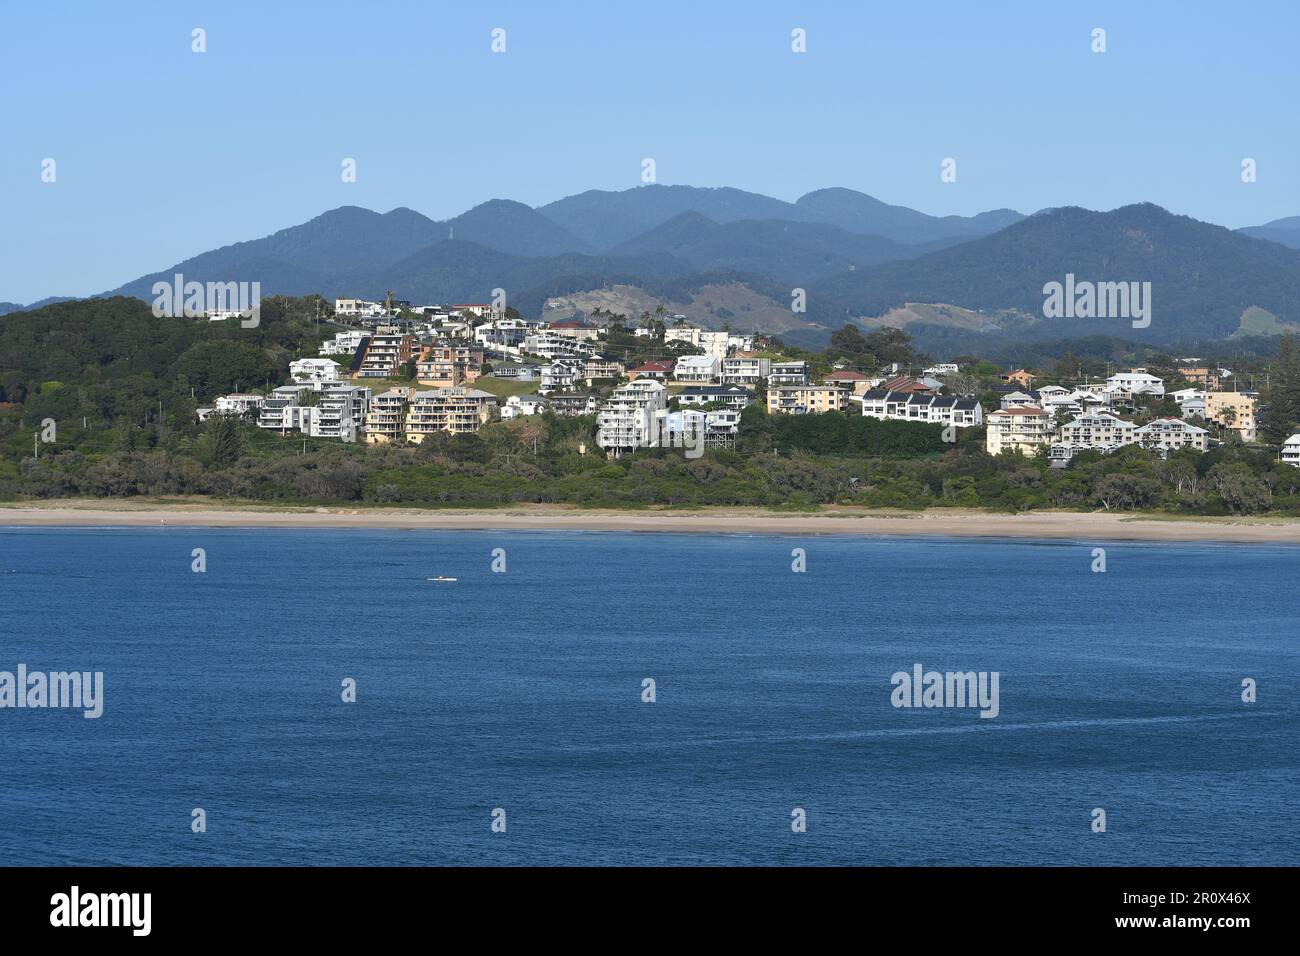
[(163, 153)]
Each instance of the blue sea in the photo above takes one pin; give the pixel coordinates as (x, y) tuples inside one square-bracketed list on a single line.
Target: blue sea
[(522, 692)]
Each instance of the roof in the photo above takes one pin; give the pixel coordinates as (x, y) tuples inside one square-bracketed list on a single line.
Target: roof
[(848, 375)]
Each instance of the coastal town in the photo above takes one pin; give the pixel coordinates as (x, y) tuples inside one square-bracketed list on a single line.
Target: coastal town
[(394, 372)]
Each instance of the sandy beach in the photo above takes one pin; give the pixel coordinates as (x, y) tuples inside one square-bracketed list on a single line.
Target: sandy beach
[(1058, 525)]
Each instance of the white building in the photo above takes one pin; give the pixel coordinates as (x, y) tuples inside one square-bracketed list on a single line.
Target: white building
[(745, 369), (1020, 428), (627, 420), (356, 308), (733, 395), (1291, 451), (787, 373), (911, 407), (503, 333), (1100, 432), (552, 345), (717, 344), (344, 343), (517, 406), (1136, 382), (1170, 434), (563, 373), (315, 370), (697, 368)]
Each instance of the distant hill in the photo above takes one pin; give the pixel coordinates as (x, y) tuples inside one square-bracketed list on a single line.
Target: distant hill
[(1204, 277), (326, 254), (513, 228), (1286, 231), (857, 212), (788, 251), (607, 219)]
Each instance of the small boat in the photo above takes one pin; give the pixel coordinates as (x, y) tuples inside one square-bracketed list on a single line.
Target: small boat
[(440, 578)]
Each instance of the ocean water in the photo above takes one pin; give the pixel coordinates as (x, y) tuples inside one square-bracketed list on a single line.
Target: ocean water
[(523, 691)]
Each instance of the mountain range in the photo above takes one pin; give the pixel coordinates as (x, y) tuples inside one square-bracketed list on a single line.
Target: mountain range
[(727, 256)]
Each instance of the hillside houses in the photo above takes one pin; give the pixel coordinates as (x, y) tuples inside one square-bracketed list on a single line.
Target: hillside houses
[(923, 407)]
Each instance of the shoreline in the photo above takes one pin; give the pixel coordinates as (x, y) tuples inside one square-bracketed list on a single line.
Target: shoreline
[(962, 524)]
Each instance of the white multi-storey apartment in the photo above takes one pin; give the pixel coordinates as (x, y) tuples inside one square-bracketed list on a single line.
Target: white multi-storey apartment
[(344, 343), (315, 370), (745, 369), (503, 333), (454, 410), (1170, 434), (627, 420), (1101, 432), (355, 308), (341, 411), (787, 373), (697, 368), (238, 403), (691, 428), (1020, 428)]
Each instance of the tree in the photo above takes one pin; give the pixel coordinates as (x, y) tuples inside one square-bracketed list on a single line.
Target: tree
[(221, 443)]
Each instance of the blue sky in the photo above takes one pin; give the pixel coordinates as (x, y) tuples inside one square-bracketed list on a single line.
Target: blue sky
[(163, 153)]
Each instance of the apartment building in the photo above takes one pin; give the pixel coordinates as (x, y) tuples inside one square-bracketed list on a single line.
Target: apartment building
[(628, 419), (449, 365), (1201, 375), (598, 367), (386, 420), (745, 370), (733, 395), (355, 308), (1020, 428), (697, 368), (717, 344), (343, 343), (454, 410), (1099, 431), (575, 329), (1135, 382), (503, 333), (1234, 410), (787, 373), (805, 399), (1171, 434), (341, 411), (385, 355), (857, 383), (692, 428)]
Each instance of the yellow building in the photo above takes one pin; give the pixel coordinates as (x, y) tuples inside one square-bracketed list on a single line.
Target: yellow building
[(1234, 410), (806, 399)]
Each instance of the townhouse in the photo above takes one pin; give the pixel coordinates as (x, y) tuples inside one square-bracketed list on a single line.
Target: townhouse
[(1019, 428), (628, 419), (923, 407), (454, 410)]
